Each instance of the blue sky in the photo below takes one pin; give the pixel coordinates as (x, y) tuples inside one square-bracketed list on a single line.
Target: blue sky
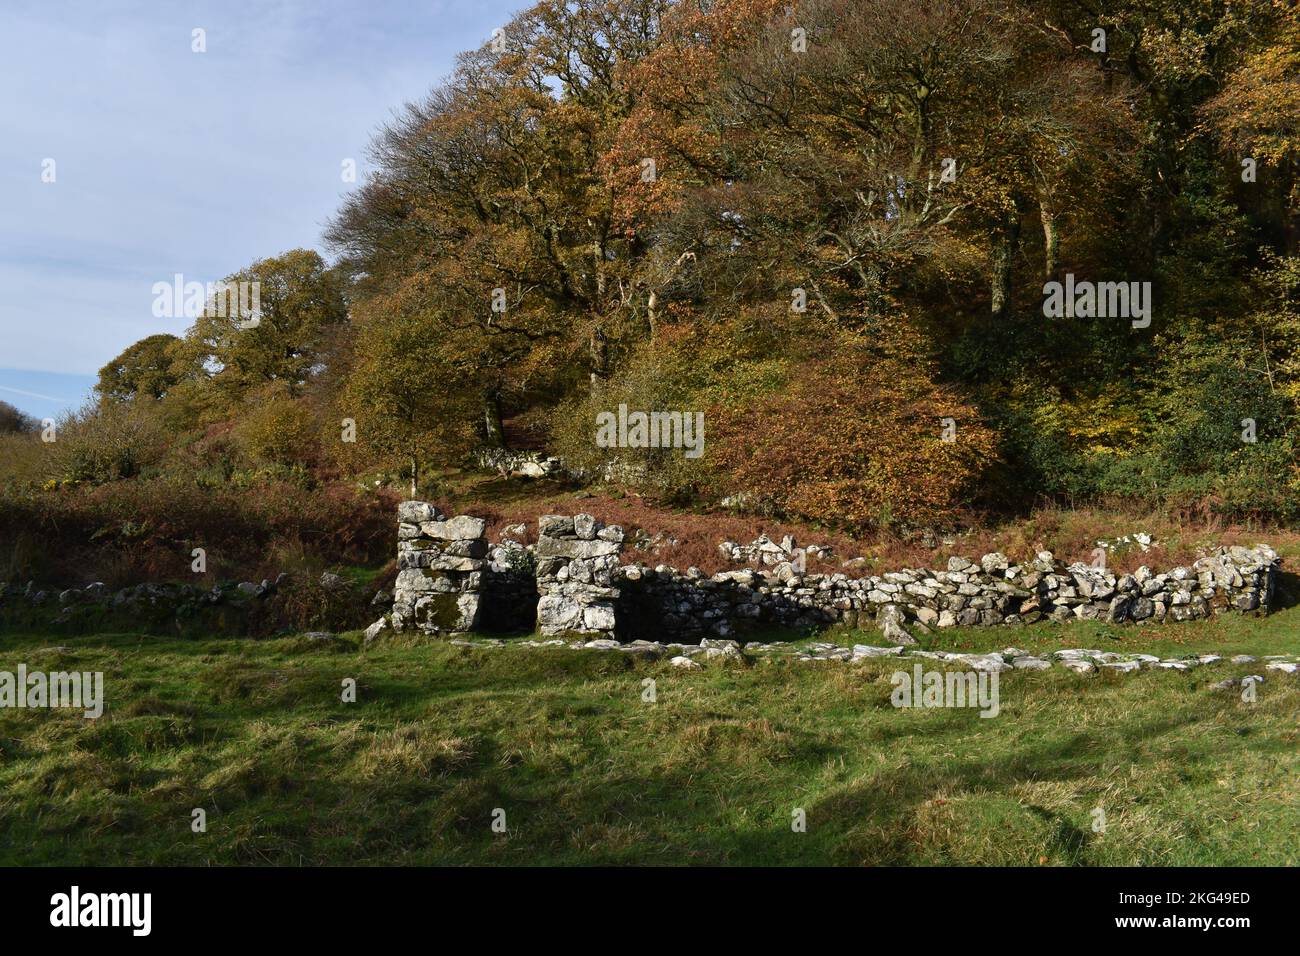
[(172, 161)]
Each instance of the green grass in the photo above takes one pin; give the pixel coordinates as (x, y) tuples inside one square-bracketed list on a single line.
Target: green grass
[(587, 772)]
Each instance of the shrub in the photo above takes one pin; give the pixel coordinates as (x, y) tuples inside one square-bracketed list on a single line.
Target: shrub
[(12, 420), (106, 442), (1204, 435), (145, 529), (274, 428), (684, 369), (856, 439), (22, 460)]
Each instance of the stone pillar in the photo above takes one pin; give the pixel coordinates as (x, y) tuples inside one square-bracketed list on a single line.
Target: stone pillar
[(576, 558), (440, 567)]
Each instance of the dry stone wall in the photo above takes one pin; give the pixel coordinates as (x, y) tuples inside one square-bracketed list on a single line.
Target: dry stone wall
[(577, 558), (440, 570), (573, 579), (689, 605)]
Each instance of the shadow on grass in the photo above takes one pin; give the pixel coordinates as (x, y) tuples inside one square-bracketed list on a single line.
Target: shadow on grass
[(587, 775), (1286, 593)]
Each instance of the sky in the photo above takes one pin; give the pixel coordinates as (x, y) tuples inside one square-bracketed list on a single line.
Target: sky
[(172, 161)]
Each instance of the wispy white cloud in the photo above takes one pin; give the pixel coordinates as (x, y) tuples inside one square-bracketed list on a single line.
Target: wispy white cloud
[(171, 161), (44, 398)]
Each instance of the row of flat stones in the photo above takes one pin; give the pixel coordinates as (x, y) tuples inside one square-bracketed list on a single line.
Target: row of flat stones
[(1078, 660)]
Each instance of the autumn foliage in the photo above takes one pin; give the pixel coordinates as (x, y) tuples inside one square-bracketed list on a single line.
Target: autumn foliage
[(826, 225), (861, 437)]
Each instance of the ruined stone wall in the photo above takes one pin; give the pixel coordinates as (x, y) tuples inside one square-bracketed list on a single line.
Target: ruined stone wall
[(440, 565), (576, 561), (689, 605), (571, 582)]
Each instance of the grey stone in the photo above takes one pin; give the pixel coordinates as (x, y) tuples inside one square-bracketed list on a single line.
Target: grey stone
[(548, 547), (865, 650), (459, 528), (554, 525), (994, 561), (598, 617), (1122, 666), (414, 512), (991, 663), (557, 613)]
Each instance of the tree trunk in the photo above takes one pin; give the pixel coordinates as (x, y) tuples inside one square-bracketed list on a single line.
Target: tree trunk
[(599, 358), (874, 293), (1005, 241), (494, 431), (1290, 220), (415, 475), (1051, 240)]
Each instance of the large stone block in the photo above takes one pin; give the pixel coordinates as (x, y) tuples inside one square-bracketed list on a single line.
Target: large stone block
[(425, 580), (416, 581), (548, 547), (472, 548), (416, 511), (449, 562), (554, 526), (598, 617), (557, 613), (446, 613), (459, 528)]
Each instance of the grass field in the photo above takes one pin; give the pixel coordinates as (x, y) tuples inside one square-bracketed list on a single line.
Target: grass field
[(586, 771)]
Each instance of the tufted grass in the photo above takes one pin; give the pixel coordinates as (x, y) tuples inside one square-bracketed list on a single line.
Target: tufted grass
[(587, 772)]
